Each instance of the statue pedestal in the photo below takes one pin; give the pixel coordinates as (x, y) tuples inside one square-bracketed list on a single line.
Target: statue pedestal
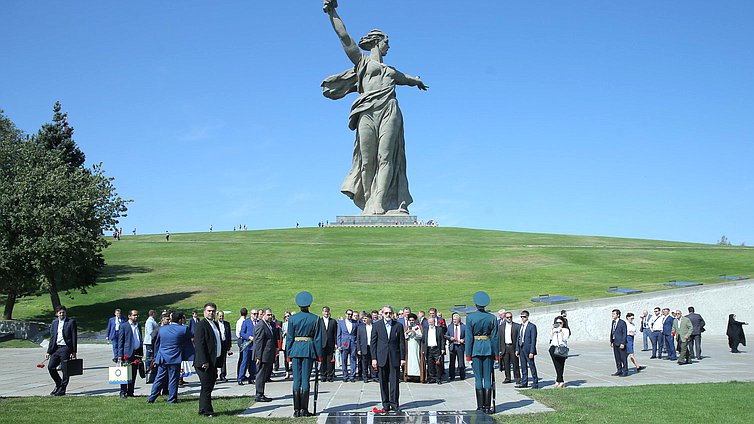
[(398, 220)]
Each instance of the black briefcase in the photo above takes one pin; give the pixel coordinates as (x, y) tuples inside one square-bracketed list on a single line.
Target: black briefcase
[(74, 367)]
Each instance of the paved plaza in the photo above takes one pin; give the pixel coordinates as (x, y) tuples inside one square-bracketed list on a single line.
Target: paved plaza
[(590, 365)]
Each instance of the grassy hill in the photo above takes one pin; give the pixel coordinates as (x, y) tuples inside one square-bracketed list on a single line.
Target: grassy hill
[(363, 268)]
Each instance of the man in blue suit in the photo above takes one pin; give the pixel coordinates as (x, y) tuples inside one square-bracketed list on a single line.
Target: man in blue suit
[(526, 350), (113, 325), (618, 340), (346, 339), (667, 334), (247, 353), (388, 356), (62, 347), (171, 345), (130, 350)]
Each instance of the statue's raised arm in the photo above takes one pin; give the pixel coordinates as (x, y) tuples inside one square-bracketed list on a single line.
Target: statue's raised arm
[(352, 50)]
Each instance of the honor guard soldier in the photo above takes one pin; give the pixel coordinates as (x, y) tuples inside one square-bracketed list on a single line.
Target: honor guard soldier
[(482, 349), (303, 346)]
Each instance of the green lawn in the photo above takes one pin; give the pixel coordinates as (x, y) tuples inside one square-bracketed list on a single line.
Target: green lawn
[(695, 403), (18, 343), (363, 268), (690, 403)]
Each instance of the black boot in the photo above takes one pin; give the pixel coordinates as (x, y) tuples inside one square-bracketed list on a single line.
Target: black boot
[(305, 404), (480, 399), (296, 404), (488, 401)]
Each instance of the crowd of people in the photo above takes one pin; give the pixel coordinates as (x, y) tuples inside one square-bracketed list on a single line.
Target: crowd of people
[(378, 345)]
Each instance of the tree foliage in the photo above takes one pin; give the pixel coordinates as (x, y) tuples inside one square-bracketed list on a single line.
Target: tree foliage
[(53, 212)]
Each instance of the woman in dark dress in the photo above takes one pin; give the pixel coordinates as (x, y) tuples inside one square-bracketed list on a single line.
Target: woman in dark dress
[(735, 333)]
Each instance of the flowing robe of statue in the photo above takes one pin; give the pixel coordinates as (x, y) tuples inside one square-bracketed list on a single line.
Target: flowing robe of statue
[(382, 187)]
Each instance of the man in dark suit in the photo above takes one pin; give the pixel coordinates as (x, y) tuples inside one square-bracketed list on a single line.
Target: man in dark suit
[(193, 321), (433, 349), (618, 340), (62, 347), (130, 350), (265, 346), (388, 355), (507, 335), (208, 347), (329, 330), (347, 346), (113, 325), (363, 350), (227, 341), (695, 342), (172, 344), (526, 350), (457, 347)]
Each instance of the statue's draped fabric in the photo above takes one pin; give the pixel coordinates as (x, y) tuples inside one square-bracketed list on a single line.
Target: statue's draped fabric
[(377, 181)]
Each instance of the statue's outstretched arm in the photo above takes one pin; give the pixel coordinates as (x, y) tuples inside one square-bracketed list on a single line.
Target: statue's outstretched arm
[(403, 79), (352, 50)]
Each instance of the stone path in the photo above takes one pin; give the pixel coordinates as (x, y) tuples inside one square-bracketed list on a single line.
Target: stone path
[(590, 366)]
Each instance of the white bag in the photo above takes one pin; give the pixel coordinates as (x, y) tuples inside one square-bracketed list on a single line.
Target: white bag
[(119, 374), (186, 369)]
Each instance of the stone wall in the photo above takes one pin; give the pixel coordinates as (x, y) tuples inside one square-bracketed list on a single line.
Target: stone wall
[(33, 331), (590, 320)]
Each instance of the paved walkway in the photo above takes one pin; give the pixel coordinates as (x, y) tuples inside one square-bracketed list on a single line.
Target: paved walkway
[(590, 366)]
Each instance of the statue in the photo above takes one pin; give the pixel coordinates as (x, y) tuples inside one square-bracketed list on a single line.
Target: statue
[(377, 182)]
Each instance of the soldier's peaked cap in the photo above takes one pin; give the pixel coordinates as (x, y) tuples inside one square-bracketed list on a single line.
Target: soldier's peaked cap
[(481, 298), (304, 299)]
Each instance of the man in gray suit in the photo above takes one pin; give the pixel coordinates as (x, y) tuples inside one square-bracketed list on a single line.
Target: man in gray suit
[(695, 341), (265, 345)]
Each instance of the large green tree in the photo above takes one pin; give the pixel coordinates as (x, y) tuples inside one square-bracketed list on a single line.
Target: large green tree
[(54, 211)]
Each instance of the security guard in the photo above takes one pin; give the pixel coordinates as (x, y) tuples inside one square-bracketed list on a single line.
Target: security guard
[(303, 345), (481, 349)]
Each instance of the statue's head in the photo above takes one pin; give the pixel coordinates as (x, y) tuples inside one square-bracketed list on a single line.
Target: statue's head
[(375, 37)]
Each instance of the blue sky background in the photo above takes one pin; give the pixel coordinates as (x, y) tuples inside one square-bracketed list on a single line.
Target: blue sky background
[(629, 119)]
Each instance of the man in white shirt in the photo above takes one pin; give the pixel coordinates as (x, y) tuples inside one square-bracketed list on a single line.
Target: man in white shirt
[(363, 336), (655, 323), (62, 347), (433, 344), (149, 326), (239, 340), (329, 330)]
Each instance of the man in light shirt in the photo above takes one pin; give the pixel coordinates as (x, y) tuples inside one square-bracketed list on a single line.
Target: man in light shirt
[(363, 343), (433, 344), (62, 347), (456, 347), (655, 324)]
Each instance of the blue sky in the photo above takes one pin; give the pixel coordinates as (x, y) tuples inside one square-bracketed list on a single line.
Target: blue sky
[(629, 119)]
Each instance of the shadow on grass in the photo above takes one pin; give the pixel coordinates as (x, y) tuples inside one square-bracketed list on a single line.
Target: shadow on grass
[(112, 273), (94, 317)]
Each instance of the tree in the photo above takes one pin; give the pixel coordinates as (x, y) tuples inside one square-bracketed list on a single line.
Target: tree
[(58, 136), (17, 274), (54, 211)]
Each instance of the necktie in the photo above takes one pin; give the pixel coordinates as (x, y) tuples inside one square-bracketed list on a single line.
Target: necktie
[(135, 331), (387, 327), (458, 333)]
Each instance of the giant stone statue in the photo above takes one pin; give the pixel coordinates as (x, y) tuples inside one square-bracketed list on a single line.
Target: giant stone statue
[(377, 182)]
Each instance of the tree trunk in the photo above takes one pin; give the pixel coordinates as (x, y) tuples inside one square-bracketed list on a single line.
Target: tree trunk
[(54, 295), (10, 302)]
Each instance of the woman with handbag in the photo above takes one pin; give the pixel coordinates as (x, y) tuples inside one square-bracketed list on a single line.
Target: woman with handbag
[(559, 347), (631, 330)]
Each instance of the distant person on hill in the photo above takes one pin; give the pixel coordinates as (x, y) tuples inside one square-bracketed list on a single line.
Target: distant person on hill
[(695, 342), (735, 333), (167, 235)]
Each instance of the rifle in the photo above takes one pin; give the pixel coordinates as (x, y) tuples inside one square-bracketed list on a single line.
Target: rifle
[(316, 385), (494, 389)]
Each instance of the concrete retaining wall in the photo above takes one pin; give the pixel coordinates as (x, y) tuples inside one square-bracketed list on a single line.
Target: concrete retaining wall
[(33, 331), (590, 320)]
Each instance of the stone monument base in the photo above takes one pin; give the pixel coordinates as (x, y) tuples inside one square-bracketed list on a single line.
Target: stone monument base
[(397, 220)]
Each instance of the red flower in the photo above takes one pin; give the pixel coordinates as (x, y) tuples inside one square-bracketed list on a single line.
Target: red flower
[(125, 358), (40, 365), (345, 344), (378, 411)]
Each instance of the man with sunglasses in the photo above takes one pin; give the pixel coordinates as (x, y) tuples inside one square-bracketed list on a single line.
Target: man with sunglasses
[(526, 350), (247, 335), (507, 336), (347, 346)]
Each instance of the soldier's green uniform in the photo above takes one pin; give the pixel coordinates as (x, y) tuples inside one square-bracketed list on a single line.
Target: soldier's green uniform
[(482, 349), (303, 346)]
